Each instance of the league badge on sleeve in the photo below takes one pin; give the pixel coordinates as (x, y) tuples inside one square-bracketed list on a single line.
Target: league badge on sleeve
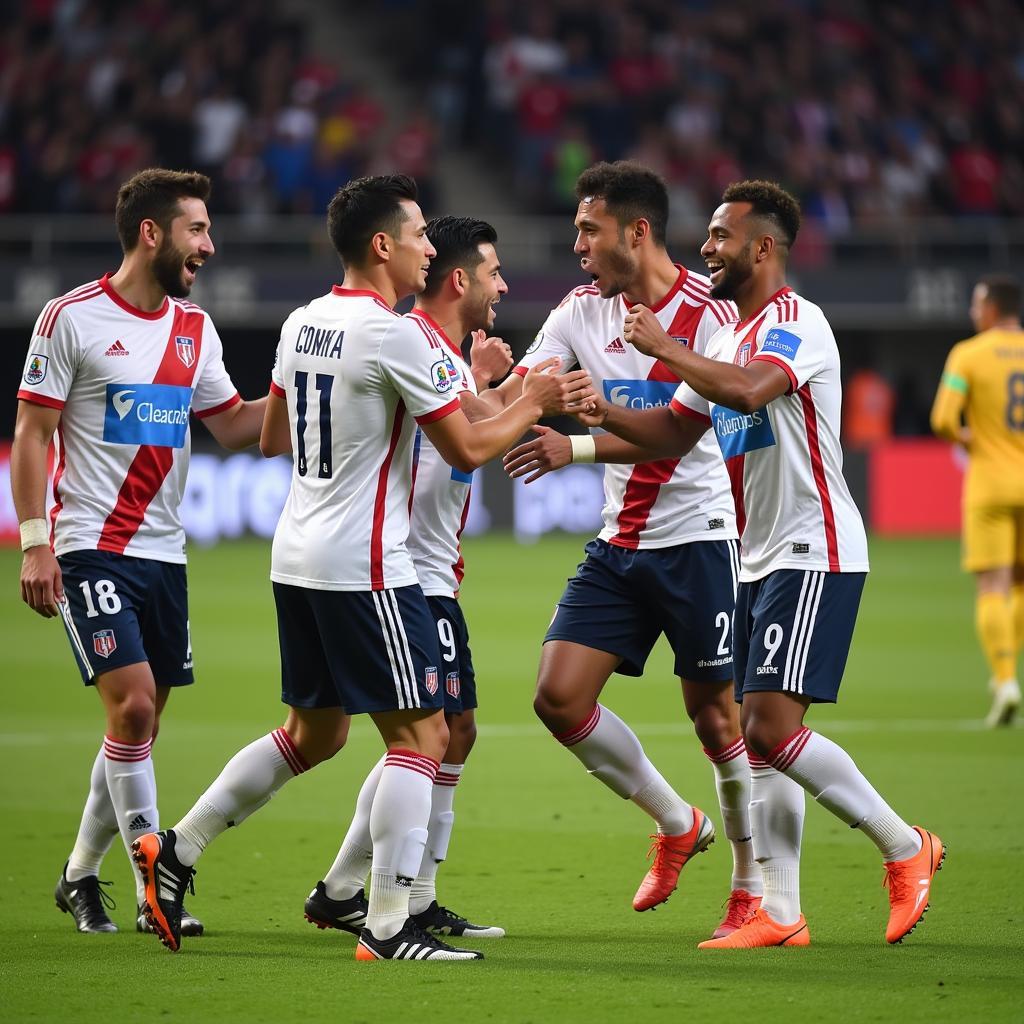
[(36, 372), (104, 643), (443, 375), (536, 343), (186, 348), (784, 342)]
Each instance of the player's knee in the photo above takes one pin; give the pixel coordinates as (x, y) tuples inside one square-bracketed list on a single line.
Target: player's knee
[(714, 725), (550, 711), (461, 737), (134, 718), (761, 735)]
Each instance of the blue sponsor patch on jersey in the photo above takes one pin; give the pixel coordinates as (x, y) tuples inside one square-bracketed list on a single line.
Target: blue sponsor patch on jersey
[(639, 394), (782, 342), (739, 433), (154, 414), (462, 478)]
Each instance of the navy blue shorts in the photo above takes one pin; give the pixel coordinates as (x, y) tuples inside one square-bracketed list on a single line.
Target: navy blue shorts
[(456, 659), (360, 651), (793, 630), (621, 601), (120, 610)]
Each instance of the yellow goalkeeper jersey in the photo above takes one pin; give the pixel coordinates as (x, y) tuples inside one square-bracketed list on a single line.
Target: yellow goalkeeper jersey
[(983, 384)]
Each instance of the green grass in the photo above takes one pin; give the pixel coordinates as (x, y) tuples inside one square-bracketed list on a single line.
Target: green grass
[(538, 847)]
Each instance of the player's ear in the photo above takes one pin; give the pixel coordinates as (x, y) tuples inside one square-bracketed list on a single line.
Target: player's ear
[(765, 248), (380, 246), (639, 230), (150, 233), (459, 281)]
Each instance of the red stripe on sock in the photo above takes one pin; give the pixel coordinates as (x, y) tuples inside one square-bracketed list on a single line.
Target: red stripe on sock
[(733, 750), (789, 750), (582, 731), (413, 761), (444, 779), (118, 750), (289, 752)]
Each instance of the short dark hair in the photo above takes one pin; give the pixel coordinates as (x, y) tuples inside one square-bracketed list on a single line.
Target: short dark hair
[(770, 201), (630, 191), (457, 241), (1002, 291), (153, 194), (364, 206)]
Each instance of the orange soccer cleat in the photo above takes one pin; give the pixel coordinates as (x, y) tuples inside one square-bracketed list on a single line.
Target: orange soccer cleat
[(909, 882), (671, 853), (738, 911), (761, 931)]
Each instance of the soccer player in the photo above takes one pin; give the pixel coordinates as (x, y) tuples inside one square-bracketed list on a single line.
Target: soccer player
[(666, 560), (114, 368), (770, 389), (983, 383), (351, 380), (464, 284)]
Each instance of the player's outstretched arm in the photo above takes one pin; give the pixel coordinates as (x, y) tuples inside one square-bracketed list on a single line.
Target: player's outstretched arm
[(41, 585), (743, 388), (276, 435), (948, 408), (552, 450), (467, 446), (660, 431), (238, 427)]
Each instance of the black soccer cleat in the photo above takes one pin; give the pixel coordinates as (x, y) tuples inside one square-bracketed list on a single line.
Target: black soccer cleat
[(191, 926), (166, 880), (84, 899), (345, 915), (442, 921), (411, 943)]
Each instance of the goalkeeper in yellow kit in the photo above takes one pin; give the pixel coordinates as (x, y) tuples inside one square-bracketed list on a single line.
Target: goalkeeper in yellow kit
[(980, 405)]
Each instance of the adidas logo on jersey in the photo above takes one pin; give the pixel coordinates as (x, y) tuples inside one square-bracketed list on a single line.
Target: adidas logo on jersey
[(617, 345), (117, 349)]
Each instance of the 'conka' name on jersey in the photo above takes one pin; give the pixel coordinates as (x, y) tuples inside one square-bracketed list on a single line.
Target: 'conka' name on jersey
[(319, 341)]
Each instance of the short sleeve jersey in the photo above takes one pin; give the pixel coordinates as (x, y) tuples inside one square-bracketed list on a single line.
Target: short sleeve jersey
[(985, 380), (440, 498), (125, 381), (784, 460), (671, 501), (357, 378)]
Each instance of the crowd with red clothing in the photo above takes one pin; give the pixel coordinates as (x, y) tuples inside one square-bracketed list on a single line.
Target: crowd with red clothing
[(91, 91)]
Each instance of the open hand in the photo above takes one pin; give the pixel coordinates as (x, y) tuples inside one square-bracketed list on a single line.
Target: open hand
[(558, 393), (548, 452)]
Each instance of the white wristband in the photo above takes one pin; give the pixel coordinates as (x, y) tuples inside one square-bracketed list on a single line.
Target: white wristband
[(34, 533), (584, 448)]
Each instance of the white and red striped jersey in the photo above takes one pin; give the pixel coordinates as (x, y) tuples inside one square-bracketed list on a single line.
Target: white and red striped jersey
[(440, 497), (357, 378), (125, 381), (657, 504), (784, 460)]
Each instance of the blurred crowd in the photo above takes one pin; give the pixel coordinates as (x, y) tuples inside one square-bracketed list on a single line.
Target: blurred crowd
[(91, 91), (870, 111)]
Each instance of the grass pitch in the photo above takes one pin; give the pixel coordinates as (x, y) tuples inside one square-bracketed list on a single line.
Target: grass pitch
[(538, 847)]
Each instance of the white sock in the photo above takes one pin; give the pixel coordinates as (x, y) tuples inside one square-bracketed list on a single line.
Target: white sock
[(439, 831), (828, 773), (732, 781), (98, 827), (777, 824), (398, 826), (611, 752), (132, 786), (246, 783), (350, 868)]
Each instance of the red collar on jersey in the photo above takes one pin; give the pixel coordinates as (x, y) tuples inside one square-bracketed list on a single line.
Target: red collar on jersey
[(104, 283), (438, 329), (365, 293), (743, 323), (669, 295)]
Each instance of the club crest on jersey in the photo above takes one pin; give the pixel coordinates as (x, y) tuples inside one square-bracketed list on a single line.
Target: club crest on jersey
[(452, 685), (743, 353), (739, 433), (430, 680), (104, 643), (443, 375), (186, 349), (682, 341), (36, 372)]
